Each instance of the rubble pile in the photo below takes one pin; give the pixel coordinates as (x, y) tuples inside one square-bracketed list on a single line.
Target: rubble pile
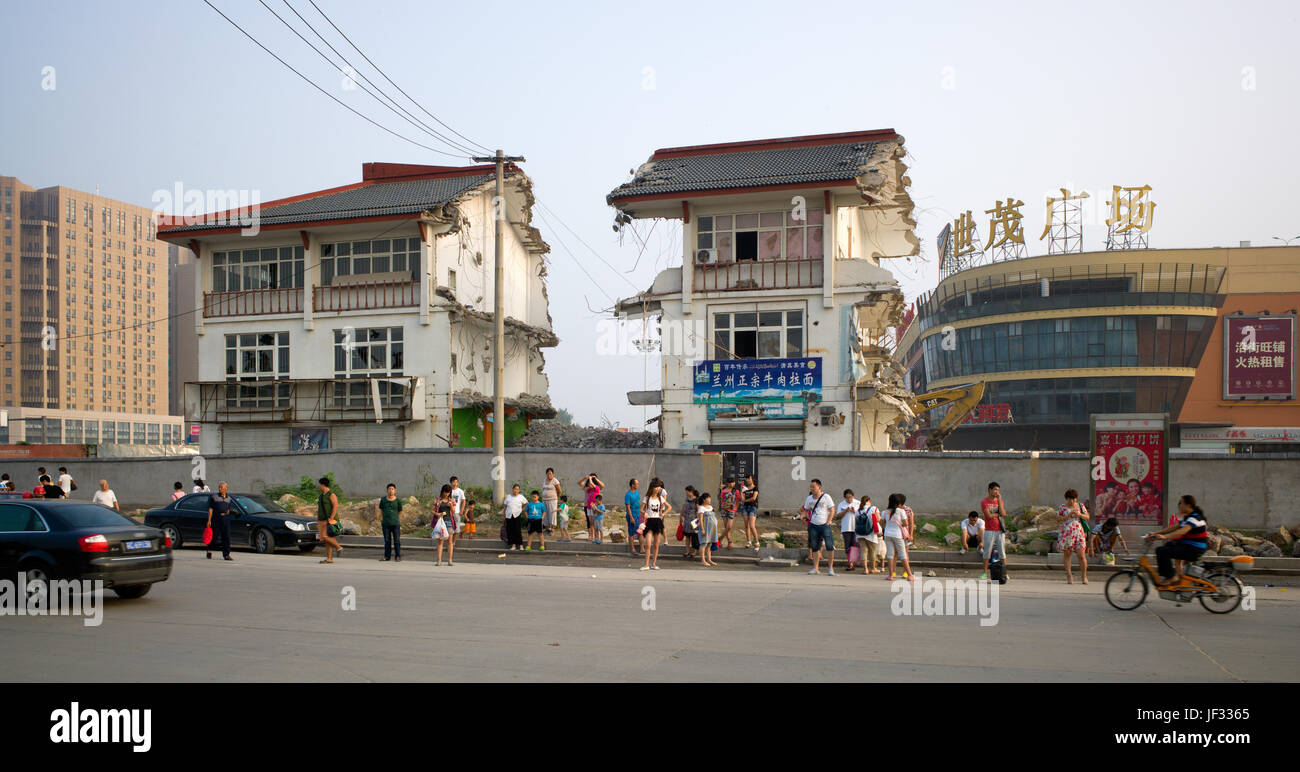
[(550, 434)]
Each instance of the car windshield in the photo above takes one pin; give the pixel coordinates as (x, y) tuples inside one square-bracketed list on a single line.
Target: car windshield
[(257, 504), (87, 516)]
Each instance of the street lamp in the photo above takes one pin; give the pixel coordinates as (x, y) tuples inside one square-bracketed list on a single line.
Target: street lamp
[(1287, 242)]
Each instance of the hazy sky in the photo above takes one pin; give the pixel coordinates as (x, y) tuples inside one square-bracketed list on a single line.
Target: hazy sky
[(1199, 100)]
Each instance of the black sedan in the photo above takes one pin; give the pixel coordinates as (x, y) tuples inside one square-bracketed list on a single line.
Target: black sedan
[(255, 520), (49, 539)]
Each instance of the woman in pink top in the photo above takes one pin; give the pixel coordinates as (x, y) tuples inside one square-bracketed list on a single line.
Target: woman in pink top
[(179, 492)]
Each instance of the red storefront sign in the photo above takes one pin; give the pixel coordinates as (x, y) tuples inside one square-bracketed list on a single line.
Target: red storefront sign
[(1130, 468), (997, 413), (1259, 357)]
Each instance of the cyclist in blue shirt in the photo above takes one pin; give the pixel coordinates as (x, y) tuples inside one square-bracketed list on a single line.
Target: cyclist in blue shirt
[(1187, 542)]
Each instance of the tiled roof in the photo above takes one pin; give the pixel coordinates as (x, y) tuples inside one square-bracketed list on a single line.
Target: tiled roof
[(698, 169), (375, 199)]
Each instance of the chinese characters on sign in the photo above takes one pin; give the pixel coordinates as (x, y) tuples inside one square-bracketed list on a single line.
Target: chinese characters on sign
[(1130, 457), (757, 380), (999, 413), (1259, 357)]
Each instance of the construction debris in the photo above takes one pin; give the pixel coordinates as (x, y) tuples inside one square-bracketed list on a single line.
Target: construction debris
[(550, 434)]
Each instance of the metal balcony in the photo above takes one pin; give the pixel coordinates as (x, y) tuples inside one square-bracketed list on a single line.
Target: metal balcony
[(315, 400)]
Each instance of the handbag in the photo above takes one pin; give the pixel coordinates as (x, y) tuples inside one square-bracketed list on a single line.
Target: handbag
[(855, 554), (681, 532), (74, 485), (335, 528), (207, 535)]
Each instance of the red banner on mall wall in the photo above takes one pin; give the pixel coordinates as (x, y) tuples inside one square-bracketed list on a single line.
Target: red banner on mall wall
[(1259, 356), (1130, 467)]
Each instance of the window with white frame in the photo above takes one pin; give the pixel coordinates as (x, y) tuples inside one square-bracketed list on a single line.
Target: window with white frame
[(751, 236), (249, 269), (262, 356), (758, 334), (368, 352), (363, 258)]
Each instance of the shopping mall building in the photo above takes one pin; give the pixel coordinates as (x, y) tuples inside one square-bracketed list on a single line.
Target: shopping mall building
[(1058, 338)]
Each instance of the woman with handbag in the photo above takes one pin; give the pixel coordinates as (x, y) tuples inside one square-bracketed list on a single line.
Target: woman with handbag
[(898, 526), (1072, 539), (327, 519), (444, 525)]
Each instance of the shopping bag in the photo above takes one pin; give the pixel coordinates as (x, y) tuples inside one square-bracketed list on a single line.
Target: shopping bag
[(855, 554), (207, 535), (681, 532)]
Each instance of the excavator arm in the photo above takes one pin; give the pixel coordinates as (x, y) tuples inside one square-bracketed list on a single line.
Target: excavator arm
[(962, 400)]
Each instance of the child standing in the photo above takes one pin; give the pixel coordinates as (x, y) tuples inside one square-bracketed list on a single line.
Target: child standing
[(471, 525), (562, 518), (598, 517), (536, 512), (690, 523), (708, 528)]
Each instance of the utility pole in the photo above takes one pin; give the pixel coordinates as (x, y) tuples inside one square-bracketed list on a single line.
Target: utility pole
[(499, 339)]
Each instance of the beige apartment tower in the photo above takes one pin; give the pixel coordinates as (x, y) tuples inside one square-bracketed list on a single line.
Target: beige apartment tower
[(83, 318)]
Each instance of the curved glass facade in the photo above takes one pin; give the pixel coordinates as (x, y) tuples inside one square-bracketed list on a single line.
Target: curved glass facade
[(1073, 400), (1075, 343)]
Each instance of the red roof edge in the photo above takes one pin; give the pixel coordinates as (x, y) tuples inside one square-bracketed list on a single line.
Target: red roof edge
[(775, 144), (385, 171)]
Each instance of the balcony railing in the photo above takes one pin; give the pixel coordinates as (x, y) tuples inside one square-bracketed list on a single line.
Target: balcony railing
[(797, 273), (400, 398), (253, 302), (365, 296)]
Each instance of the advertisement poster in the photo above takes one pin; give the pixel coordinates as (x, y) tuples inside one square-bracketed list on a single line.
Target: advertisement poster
[(1259, 357), (309, 440), (758, 380), (1130, 468)]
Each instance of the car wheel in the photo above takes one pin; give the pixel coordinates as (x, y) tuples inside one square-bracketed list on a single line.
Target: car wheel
[(173, 533), (133, 591), (306, 547), (263, 542), (37, 571)]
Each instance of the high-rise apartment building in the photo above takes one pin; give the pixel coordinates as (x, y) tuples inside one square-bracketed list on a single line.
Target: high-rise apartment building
[(84, 316)]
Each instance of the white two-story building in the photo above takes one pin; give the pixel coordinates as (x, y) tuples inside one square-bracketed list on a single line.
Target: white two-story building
[(361, 316), (775, 329)]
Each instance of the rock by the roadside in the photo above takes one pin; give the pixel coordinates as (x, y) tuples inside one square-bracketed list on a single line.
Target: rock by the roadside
[(770, 536), (305, 510), (1038, 546), (1265, 549), (931, 572), (289, 502), (951, 538), (1231, 550), (1295, 549), (1213, 542), (1281, 537), (1248, 542), (929, 528), (351, 528), (616, 536), (1295, 531)]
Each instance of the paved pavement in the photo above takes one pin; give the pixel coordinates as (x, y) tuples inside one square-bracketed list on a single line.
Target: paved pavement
[(281, 618)]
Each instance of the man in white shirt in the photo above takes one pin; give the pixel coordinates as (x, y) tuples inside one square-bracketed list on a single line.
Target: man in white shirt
[(65, 481), (514, 509), (105, 496), (972, 532), (457, 497), (847, 513), (817, 510)]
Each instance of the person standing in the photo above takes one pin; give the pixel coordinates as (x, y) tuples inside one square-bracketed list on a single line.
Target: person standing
[(972, 533), (817, 511), (562, 519), (749, 510), (1071, 538), (536, 513), (551, 492), (994, 510), (178, 491), (592, 487), (632, 514), (41, 474), (219, 520), (327, 514), (469, 524), (66, 482), (5, 483), (690, 522), (457, 498), (868, 534), (445, 525), (105, 497), (513, 512), (708, 530), (200, 486), (847, 513), (598, 517), (729, 500), (655, 508), (390, 519), (898, 523)]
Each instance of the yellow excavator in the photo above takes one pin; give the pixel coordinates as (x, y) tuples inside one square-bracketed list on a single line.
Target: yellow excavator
[(962, 400)]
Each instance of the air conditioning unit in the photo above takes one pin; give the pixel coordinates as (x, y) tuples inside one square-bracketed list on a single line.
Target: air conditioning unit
[(706, 257)]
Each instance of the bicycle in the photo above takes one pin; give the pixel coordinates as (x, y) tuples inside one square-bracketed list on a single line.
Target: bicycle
[(1216, 586)]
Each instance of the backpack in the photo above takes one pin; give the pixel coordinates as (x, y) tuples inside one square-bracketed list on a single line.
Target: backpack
[(868, 521), (997, 567)]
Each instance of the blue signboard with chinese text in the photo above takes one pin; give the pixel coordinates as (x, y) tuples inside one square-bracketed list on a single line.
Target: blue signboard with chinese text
[(758, 380)]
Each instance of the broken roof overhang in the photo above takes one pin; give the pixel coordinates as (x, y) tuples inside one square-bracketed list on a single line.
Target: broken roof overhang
[(533, 405), (541, 335)]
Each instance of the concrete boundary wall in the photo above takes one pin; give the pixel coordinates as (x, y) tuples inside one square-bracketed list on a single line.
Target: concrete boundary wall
[(1241, 491)]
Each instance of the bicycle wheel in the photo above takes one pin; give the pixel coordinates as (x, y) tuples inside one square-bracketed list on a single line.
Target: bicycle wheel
[(1229, 595), (1126, 590)]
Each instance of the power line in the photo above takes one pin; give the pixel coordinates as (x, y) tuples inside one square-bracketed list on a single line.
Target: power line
[(312, 83), (394, 107), (608, 265), (390, 80)]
